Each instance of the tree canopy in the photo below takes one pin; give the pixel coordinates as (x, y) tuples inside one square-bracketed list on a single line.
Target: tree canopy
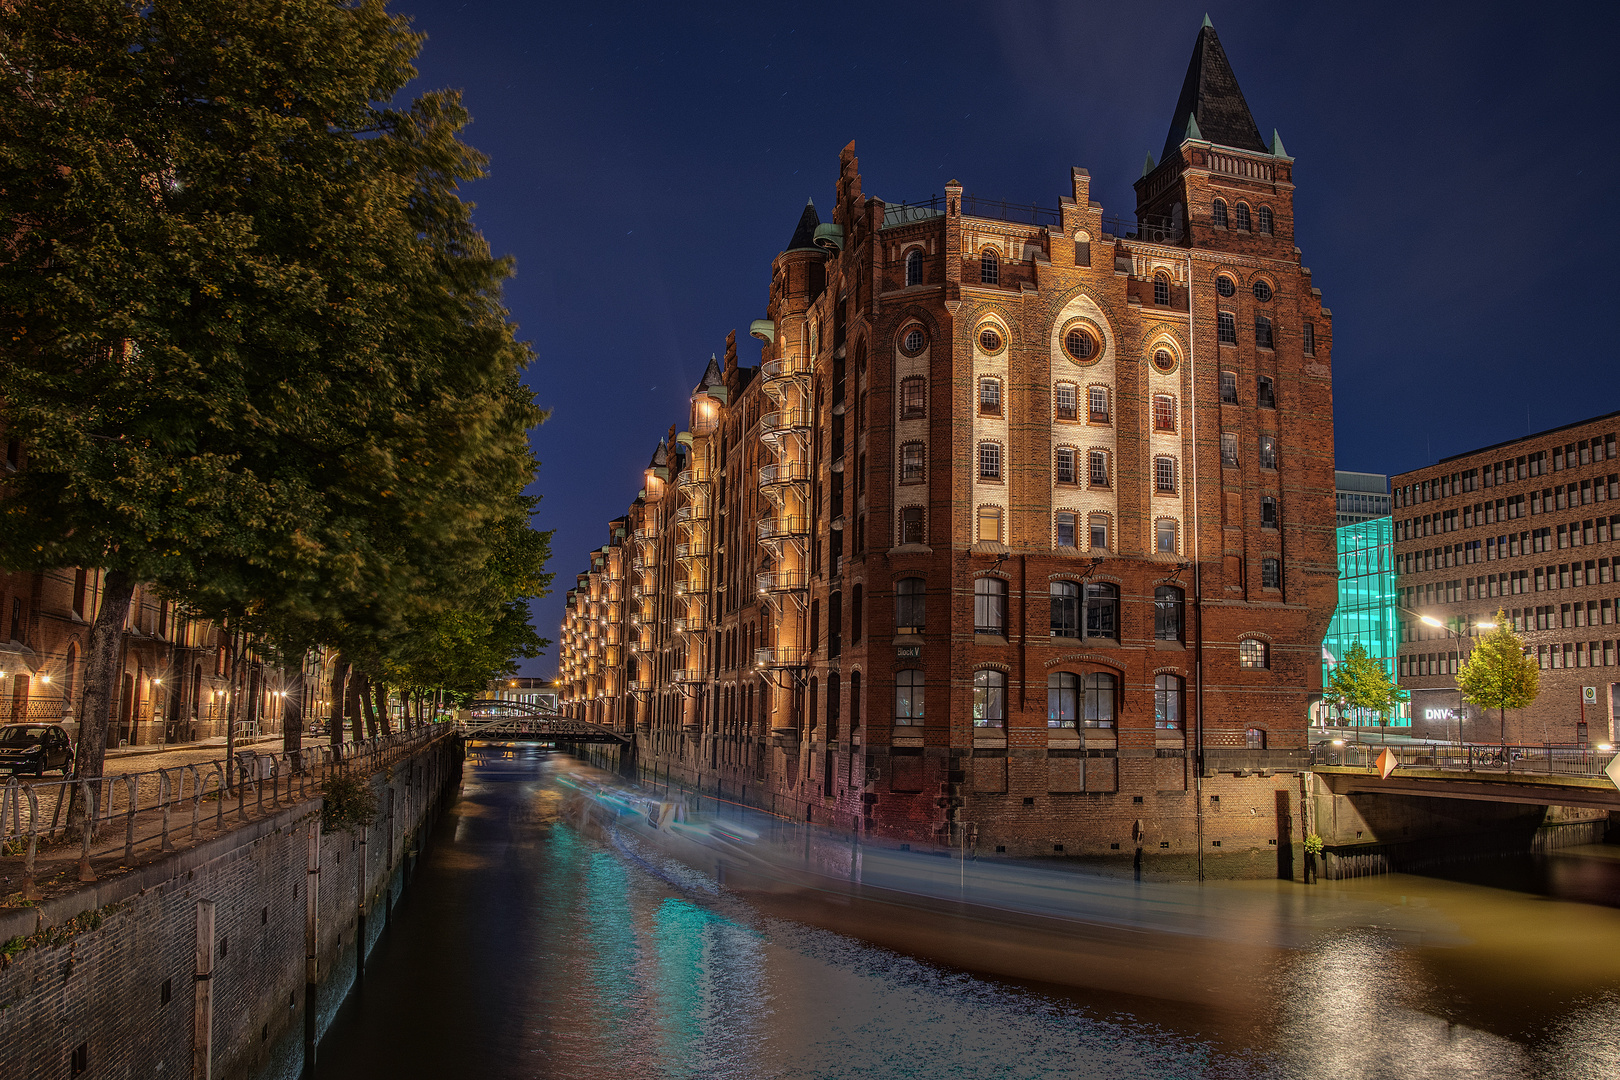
[(1362, 682), (256, 349), (1498, 673)]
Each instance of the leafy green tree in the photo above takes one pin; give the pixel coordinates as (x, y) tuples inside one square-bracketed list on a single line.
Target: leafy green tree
[(1499, 674), (256, 351), (1361, 682)]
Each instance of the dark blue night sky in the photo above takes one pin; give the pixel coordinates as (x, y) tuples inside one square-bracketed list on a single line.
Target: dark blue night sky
[(1456, 199)]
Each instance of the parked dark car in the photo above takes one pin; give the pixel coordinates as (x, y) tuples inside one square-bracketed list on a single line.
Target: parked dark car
[(35, 748)]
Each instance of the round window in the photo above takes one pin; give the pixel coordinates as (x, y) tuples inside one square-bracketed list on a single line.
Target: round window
[(913, 341), (1262, 291), (1164, 360), (1224, 286), (1081, 345), (989, 340)]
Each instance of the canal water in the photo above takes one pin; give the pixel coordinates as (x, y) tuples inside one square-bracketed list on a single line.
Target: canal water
[(533, 943)]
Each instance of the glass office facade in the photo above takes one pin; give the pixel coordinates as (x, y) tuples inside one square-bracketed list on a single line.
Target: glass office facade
[(1366, 611)]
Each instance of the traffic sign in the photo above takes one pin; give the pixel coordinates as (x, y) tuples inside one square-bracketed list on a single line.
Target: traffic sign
[(1613, 771), (1588, 695), (1386, 763)]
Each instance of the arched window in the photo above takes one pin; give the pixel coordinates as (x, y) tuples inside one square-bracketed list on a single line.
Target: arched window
[(1263, 215), (989, 606), (1102, 610), (855, 618), (1066, 529), (1242, 215), (989, 267), (914, 268), (1168, 604), (1262, 332), (1218, 213), (1065, 609), (1167, 697), (1161, 289), (1253, 654), (1101, 691), (989, 699), (1255, 739), (908, 697), (855, 701), (1062, 699), (909, 605), (1268, 512)]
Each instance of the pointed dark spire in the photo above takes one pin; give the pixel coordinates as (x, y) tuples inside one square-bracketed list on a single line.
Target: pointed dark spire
[(711, 376), (660, 458), (1210, 98), (804, 237)]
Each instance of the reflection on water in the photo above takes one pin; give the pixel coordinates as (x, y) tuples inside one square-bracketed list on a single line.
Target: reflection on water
[(529, 946)]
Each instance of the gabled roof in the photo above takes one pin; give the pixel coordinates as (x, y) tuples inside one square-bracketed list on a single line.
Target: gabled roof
[(804, 236), (1211, 99)]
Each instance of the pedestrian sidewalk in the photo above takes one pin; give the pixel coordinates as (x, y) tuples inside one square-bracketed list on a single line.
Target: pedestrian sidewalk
[(217, 742)]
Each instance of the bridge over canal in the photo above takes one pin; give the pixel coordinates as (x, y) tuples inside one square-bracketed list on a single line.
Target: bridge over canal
[(521, 721), (1526, 775)]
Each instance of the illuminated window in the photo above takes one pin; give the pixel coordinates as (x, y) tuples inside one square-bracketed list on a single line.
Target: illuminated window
[(908, 697), (990, 524), (1253, 654), (989, 699), (1167, 697), (989, 606)]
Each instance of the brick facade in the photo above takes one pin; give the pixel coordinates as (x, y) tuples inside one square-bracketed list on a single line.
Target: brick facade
[(781, 658), (1529, 528)]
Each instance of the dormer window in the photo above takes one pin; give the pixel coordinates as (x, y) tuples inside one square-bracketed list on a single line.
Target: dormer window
[(989, 268), (1218, 213)]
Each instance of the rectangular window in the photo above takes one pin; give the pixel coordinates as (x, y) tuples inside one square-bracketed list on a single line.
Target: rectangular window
[(1226, 328), (1063, 465), (1265, 393), (989, 606), (1065, 529), (1165, 536), (1309, 334), (1097, 463), (1063, 399), (1164, 412), (1262, 332), (911, 463), (1097, 526), (1229, 451), (1229, 388), (912, 400), (911, 525), (1097, 404), (1268, 512), (990, 397), (1271, 573), (1164, 475), (990, 524), (989, 461), (1268, 451), (1161, 290)]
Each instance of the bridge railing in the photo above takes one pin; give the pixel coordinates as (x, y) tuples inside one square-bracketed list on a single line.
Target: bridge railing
[(1525, 759)]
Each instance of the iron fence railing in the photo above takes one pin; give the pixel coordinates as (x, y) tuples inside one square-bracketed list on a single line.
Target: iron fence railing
[(145, 804), (1542, 760)]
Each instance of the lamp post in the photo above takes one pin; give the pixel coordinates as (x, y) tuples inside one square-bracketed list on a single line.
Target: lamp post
[(1430, 620)]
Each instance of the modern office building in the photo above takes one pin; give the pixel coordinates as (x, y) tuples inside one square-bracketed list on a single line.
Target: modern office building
[(1020, 535), (1366, 613), (1528, 528), (1359, 496)]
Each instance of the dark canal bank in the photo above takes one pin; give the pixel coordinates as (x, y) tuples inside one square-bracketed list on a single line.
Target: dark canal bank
[(534, 945)]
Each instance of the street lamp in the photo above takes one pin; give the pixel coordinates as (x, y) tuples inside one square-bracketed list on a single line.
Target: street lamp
[(1430, 620)]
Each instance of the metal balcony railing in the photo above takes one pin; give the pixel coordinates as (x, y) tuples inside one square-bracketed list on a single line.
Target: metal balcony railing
[(1543, 760), (785, 367), (688, 675), (783, 422), (777, 581), (786, 472), (784, 526), (689, 624), (696, 549), (780, 656), (692, 477)]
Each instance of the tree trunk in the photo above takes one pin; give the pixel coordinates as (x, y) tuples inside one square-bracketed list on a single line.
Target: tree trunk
[(292, 715), (233, 703), (380, 691), (101, 673), (339, 695), (360, 697)]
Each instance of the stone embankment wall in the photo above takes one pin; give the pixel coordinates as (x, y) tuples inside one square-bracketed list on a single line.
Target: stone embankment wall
[(199, 964)]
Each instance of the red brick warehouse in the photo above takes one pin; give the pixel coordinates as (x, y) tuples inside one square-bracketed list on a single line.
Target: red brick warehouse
[(1020, 537)]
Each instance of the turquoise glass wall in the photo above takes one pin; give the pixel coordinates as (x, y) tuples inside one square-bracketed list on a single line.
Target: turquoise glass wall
[(1366, 611)]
